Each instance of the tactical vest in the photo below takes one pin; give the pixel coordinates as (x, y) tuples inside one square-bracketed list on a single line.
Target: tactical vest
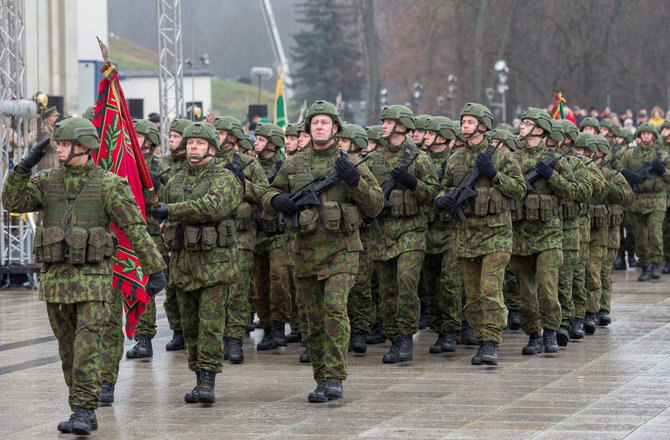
[(655, 184), (197, 236), (76, 227), (488, 201), (403, 201), (245, 210), (540, 204), (337, 212)]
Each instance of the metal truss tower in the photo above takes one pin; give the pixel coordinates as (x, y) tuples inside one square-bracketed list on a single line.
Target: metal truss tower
[(170, 65)]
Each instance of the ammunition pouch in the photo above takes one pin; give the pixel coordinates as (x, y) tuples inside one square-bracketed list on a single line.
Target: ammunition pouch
[(655, 184), (404, 204), (616, 216), (599, 216), (330, 216), (244, 216), (540, 207), (198, 238), (75, 246), (570, 210)]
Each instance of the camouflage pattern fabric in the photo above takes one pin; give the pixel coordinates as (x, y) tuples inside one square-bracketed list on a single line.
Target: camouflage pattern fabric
[(272, 298), (361, 307), (112, 339), (647, 229), (579, 277), (171, 306), (201, 319), (565, 281), (237, 306), (447, 308), (511, 290), (78, 328)]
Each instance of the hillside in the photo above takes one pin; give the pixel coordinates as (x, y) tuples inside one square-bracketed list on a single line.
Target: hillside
[(129, 55)]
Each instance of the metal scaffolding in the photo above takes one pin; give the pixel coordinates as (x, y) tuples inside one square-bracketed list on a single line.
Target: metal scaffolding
[(170, 65), (17, 230)]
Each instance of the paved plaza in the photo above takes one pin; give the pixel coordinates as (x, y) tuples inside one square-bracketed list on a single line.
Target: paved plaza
[(612, 385)]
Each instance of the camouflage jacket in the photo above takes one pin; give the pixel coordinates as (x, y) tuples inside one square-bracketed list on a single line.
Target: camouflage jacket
[(403, 233), (440, 233), (255, 186), (191, 270), (545, 232), (320, 252), (270, 234), (650, 195), (573, 209), (173, 163), (620, 195), (157, 168), (65, 283)]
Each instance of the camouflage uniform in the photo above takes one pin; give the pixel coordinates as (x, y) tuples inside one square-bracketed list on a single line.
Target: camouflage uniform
[(326, 253), (79, 293), (399, 247)]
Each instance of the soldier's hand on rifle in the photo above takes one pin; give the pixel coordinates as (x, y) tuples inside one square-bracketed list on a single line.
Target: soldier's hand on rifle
[(238, 172), (160, 213), (485, 165), (631, 177), (658, 166), (156, 283), (544, 170), (35, 155), (155, 181), (347, 172), (404, 177), (447, 203), (284, 204)]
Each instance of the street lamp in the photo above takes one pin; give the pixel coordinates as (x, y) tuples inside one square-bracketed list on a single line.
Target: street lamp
[(416, 96), (500, 66), (451, 80), (384, 96), (261, 73)]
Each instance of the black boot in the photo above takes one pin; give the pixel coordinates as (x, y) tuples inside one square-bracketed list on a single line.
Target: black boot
[(468, 335), (437, 346), (142, 349), (318, 396), (534, 345), (620, 262), (236, 353), (562, 336), (577, 329), (487, 354), (450, 341), (294, 336), (424, 317), (392, 356), (655, 273), (305, 358), (267, 342), (632, 261), (206, 392), (513, 320), (603, 318), (358, 344), (377, 334), (406, 348), (177, 342), (106, 395), (590, 323), (646, 273), (278, 335), (226, 348), (666, 268), (66, 425), (84, 421), (549, 341), (192, 396), (333, 389)]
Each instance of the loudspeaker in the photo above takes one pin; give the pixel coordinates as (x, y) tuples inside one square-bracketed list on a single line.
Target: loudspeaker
[(136, 108), (257, 110)]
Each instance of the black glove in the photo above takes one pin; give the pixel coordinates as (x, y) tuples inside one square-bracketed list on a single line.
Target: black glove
[(156, 283), (155, 181), (447, 203), (347, 172), (658, 166), (35, 155), (160, 213), (485, 165), (284, 204), (238, 172), (404, 177), (544, 170), (631, 177)]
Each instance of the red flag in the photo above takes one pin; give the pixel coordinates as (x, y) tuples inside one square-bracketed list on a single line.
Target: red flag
[(116, 155)]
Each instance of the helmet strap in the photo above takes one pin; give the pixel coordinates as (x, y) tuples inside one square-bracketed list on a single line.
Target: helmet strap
[(72, 155)]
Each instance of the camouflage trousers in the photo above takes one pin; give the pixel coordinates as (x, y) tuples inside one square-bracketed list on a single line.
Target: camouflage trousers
[(579, 277), (538, 289), (237, 307), (606, 281), (112, 340), (147, 323), (627, 238), (361, 305), (484, 304), (565, 279), (328, 330), (446, 301), (666, 235), (78, 328), (202, 317), (398, 283), (511, 290), (272, 299), (648, 231), (594, 266), (298, 319)]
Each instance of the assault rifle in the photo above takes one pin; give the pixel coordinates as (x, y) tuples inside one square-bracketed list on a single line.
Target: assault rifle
[(532, 175), (271, 174), (440, 174), (645, 172), (466, 190), (309, 195)]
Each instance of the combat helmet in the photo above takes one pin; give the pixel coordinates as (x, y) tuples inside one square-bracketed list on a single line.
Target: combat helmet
[(421, 122), (200, 130), (79, 131), (646, 126), (230, 125), (539, 116), (570, 129), (557, 132), (356, 134), (503, 135), (602, 144), (479, 111), (148, 129), (589, 122), (322, 107), (584, 141), (273, 133), (443, 126), (292, 130), (178, 125), (245, 141), (89, 113), (401, 114)]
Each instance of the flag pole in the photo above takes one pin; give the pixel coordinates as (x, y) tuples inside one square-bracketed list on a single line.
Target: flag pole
[(137, 150)]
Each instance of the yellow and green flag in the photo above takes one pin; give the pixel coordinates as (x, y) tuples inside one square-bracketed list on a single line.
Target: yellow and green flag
[(280, 104)]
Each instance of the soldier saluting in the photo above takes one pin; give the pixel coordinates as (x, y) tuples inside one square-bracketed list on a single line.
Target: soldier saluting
[(76, 245)]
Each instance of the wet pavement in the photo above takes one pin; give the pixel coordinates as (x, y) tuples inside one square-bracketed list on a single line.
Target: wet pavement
[(612, 385)]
